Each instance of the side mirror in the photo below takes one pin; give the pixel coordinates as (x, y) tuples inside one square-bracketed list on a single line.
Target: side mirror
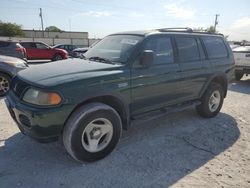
[(147, 58)]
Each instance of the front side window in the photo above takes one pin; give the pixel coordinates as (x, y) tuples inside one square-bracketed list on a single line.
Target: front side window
[(116, 48), (162, 48), (187, 49), (41, 46), (215, 47)]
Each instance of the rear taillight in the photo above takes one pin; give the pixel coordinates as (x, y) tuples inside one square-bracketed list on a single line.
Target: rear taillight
[(19, 50)]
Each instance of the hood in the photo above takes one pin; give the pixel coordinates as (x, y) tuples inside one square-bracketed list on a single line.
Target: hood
[(59, 49), (14, 62), (59, 72), (11, 60)]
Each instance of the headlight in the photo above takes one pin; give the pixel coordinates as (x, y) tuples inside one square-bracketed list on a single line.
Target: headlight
[(37, 97), (20, 65)]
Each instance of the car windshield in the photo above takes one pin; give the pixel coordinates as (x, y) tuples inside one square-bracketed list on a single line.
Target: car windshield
[(115, 48)]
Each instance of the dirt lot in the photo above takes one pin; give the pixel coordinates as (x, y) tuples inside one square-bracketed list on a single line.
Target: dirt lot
[(179, 150)]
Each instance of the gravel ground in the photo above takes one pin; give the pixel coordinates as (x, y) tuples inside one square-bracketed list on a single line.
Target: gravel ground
[(178, 150)]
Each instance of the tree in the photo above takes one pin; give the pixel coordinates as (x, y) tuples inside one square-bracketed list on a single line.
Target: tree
[(53, 29), (209, 29), (10, 29)]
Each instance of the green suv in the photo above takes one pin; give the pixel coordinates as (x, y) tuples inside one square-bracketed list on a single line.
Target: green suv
[(89, 101)]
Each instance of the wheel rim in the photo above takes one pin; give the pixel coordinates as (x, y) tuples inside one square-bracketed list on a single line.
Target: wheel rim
[(58, 57), (4, 85), (214, 101), (97, 135)]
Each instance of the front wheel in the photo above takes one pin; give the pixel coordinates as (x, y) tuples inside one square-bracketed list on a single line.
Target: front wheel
[(92, 132), (211, 102), (57, 57)]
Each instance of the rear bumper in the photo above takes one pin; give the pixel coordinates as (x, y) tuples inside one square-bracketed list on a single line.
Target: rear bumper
[(242, 69), (43, 125)]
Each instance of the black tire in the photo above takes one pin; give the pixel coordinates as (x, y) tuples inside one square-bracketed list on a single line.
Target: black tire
[(4, 84), (57, 57), (73, 132), (204, 108), (238, 75)]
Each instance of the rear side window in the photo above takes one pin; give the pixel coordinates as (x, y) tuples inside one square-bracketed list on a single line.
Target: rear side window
[(28, 45), (187, 49), (215, 47), (162, 48), (4, 44)]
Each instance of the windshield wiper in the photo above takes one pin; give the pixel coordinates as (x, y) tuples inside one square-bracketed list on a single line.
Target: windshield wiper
[(101, 59)]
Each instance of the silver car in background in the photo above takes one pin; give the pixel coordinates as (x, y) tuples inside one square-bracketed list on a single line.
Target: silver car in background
[(242, 61), (9, 67), (13, 49)]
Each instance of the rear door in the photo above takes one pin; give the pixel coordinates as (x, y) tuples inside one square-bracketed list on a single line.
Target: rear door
[(194, 66), (155, 86), (30, 49)]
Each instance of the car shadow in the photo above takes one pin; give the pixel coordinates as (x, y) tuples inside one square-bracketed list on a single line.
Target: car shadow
[(242, 86), (154, 152)]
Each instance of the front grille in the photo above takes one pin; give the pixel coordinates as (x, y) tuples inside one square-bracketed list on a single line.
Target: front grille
[(18, 86)]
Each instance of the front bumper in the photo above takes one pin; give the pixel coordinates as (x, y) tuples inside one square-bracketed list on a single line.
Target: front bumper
[(41, 124)]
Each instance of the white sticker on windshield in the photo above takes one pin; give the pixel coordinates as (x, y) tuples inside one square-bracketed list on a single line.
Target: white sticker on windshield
[(129, 41)]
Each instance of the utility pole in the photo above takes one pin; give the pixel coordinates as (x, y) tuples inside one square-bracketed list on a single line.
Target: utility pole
[(41, 16), (216, 21)]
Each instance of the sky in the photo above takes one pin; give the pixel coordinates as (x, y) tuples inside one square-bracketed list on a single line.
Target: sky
[(103, 17)]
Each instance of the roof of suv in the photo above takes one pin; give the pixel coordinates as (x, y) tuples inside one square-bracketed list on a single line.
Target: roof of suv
[(187, 31)]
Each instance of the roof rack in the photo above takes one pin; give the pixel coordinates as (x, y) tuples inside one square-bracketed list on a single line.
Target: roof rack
[(178, 29), (185, 30)]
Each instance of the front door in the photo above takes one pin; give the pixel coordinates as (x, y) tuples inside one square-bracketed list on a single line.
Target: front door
[(155, 86)]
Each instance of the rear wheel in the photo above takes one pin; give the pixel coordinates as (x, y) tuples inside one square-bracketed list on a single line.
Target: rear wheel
[(4, 84), (92, 132), (238, 75), (57, 57), (211, 102)]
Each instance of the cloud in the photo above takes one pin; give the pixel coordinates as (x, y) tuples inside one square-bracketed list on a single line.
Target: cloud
[(95, 14), (179, 12), (136, 15), (241, 23)]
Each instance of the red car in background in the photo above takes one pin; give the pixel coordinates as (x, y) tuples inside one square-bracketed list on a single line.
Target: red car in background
[(39, 50)]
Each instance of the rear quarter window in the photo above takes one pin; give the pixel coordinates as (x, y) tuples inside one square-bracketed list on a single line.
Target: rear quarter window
[(215, 47)]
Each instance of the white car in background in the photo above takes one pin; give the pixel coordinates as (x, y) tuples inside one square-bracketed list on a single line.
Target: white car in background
[(242, 61)]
